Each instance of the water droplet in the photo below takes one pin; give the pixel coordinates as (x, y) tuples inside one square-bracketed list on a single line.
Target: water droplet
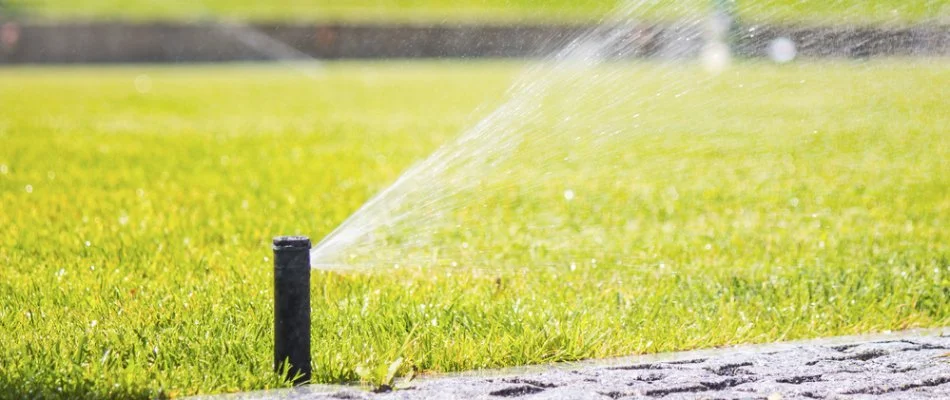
[(782, 50), (673, 193), (716, 57), (569, 195), (143, 83)]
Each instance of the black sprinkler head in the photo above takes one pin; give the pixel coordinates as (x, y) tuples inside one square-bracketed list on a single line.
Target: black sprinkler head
[(292, 307)]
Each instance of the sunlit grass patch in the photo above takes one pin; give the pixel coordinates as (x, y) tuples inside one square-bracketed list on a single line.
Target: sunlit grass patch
[(136, 222)]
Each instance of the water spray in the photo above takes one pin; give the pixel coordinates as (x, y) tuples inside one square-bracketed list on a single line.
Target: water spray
[(292, 307)]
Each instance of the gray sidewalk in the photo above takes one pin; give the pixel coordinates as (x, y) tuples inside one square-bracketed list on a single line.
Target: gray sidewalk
[(901, 365)]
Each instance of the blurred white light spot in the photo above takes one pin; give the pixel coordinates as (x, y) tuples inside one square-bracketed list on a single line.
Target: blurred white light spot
[(88, 243), (94, 323), (782, 50), (29, 188), (716, 57), (569, 194), (143, 83), (4, 169)]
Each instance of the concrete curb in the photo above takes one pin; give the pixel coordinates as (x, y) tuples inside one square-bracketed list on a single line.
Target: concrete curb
[(901, 365)]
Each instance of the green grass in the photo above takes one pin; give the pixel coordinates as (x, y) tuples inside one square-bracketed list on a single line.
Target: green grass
[(135, 226), (835, 11)]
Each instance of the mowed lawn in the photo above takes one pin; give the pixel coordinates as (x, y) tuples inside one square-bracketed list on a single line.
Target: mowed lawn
[(494, 11), (137, 205)]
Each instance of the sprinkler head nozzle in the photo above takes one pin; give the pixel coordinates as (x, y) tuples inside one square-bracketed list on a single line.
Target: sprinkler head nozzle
[(291, 242)]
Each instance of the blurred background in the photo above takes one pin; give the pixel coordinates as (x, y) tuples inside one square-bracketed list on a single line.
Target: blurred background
[(58, 31)]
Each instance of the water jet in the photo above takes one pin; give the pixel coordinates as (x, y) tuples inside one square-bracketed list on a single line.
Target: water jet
[(292, 307)]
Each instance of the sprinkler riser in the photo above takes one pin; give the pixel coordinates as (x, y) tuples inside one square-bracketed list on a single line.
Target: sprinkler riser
[(292, 306)]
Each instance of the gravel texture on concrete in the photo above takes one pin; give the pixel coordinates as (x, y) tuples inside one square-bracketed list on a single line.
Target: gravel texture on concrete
[(903, 365)]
